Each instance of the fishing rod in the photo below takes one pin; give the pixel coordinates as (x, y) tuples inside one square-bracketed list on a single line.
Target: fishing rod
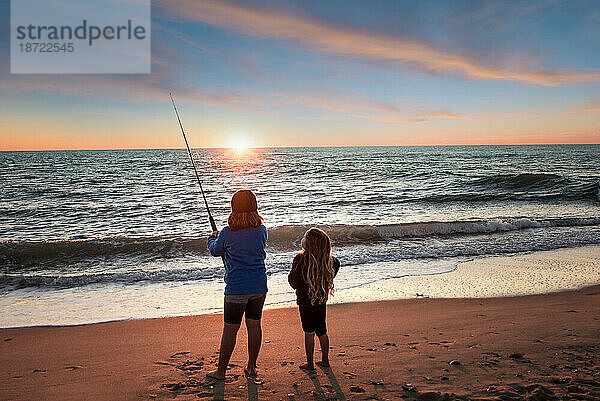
[(210, 218)]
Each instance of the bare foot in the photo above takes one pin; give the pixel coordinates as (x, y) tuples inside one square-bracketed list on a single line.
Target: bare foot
[(250, 372), (323, 364), (307, 366), (215, 375)]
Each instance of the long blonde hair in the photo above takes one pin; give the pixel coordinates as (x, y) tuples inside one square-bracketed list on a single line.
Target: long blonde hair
[(316, 247)]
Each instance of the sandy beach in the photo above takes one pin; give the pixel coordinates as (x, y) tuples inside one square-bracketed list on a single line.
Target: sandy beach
[(533, 347), (428, 171)]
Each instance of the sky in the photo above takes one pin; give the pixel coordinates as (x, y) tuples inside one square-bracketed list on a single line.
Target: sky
[(327, 73)]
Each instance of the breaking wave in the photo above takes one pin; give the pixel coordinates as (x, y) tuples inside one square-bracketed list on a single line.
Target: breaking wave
[(64, 252)]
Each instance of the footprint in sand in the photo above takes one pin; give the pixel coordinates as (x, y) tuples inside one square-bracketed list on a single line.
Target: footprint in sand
[(179, 354), (191, 365), (356, 389), (164, 363)]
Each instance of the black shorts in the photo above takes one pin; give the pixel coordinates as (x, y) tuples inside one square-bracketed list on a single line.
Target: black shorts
[(237, 305), (313, 319)]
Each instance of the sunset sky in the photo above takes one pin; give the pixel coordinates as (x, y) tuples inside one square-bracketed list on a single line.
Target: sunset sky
[(311, 73)]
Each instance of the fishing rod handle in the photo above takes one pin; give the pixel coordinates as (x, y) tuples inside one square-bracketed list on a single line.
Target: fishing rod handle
[(212, 223)]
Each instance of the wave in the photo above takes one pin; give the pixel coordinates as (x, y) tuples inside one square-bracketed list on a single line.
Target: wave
[(520, 180), (343, 235), (78, 280), (355, 259), (536, 186), (25, 254), (33, 252), (498, 187), (523, 186)]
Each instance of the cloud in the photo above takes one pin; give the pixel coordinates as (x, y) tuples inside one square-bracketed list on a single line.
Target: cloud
[(133, 88), (389, 119), (591, 106), (168, 66), (359, 107), (155, 88), (129, 90), (319, 36)]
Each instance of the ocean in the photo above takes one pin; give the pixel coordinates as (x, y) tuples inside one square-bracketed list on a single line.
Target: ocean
[(90, 236)]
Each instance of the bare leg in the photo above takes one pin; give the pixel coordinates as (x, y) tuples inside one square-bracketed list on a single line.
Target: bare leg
[(254, 341), (324, 340), (227, 345), (309, 347)]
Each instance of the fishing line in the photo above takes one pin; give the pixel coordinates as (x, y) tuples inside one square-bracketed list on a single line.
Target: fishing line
[(210, 218)]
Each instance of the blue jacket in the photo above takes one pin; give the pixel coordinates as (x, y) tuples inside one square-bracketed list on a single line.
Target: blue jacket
[(244, 255)]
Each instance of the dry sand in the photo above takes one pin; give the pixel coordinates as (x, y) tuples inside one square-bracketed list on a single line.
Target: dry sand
[(534, 347)]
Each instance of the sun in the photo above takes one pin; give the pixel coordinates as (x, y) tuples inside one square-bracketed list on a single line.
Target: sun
[(239, 143)]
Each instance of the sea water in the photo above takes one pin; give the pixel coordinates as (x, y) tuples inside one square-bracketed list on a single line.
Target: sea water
[(89, 236)]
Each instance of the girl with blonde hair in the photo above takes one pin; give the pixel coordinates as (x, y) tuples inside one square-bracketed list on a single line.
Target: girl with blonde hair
[(313, 270)]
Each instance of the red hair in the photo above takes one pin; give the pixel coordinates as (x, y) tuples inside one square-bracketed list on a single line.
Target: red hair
[(244, 211), (240, 220)]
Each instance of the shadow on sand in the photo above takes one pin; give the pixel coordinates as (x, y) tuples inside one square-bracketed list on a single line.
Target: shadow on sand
[(319, 394), (219, 390), (252, 390)]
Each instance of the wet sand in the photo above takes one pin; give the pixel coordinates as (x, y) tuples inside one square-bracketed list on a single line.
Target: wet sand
[(496, 276), (533, 347)]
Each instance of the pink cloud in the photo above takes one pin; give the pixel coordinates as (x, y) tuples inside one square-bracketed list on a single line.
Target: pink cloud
[(319, 36), (362, 108)]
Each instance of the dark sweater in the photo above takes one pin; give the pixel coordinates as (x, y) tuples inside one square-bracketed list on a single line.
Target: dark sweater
[(297, 281)]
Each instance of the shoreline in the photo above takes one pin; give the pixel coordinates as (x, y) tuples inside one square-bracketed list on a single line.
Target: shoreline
[(522, 346), (477, 278), (542, 345), (498, 276)]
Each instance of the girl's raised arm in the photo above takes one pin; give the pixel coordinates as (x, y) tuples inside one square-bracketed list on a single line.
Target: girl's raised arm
[(216, 246)]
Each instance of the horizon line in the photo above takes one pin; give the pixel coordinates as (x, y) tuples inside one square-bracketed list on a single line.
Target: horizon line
[(296, 146)]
